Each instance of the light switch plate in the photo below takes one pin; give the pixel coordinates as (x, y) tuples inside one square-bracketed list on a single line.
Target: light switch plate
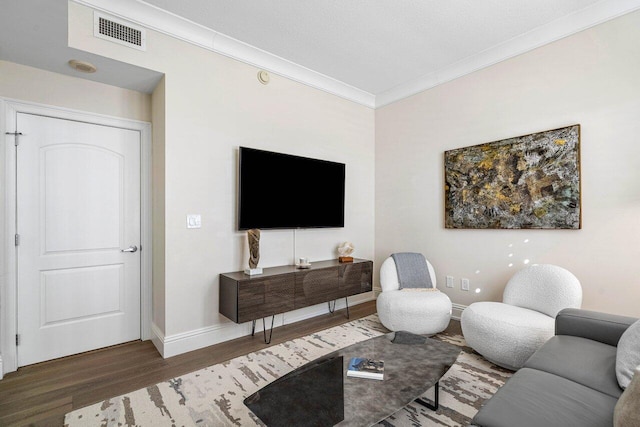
[(465, 284), (449, 281), (194, 221)]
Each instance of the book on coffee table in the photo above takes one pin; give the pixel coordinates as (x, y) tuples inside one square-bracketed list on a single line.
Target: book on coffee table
[(361, 367)]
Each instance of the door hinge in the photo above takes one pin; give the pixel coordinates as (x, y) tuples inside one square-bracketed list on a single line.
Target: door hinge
[(17, 240), (17, 339), (16, 134)]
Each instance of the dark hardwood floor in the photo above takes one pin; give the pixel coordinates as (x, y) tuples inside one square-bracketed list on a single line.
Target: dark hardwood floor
[(41, 394)]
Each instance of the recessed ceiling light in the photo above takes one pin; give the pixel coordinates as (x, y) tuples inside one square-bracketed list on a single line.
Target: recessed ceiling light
[(82, 66)]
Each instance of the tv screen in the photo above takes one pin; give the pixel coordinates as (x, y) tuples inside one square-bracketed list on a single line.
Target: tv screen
[(283, 191)]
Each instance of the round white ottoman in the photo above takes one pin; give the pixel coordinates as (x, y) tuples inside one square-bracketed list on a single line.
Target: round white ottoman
[(418, 312), (505, 334)]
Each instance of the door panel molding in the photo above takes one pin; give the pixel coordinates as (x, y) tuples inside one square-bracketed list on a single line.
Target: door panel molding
[(9, 108)]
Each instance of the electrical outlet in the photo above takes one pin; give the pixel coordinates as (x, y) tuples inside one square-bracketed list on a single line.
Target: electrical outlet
[(464, 284), (449, 281), (194, 221)]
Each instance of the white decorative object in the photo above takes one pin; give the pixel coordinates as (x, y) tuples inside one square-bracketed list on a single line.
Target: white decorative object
[(303, 263), (424, 313), (507, 333), (345, 249)]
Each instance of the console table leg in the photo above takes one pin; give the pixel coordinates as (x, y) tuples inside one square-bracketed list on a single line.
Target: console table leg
[(264, 329), (433, 406), (253, 327), (331, 309)]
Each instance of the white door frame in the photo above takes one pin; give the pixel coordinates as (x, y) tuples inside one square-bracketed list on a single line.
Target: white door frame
[(8, 274)]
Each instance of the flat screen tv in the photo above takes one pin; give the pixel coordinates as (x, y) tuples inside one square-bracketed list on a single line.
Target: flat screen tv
[(284, 191)]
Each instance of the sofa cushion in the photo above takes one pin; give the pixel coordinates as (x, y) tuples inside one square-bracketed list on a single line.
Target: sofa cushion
[(628, 357), (587, 362), (533, 398)]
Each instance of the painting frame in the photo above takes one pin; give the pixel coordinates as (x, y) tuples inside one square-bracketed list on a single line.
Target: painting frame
[(531, 181)]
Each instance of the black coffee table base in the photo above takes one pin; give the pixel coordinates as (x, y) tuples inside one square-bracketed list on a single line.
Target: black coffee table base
[(433, 406)]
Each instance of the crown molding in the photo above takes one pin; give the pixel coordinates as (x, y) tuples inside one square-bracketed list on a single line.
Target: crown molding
[(162, 21), (560, 28), (165, 22)]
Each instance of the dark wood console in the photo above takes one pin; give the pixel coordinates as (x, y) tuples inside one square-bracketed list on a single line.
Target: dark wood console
[(277, 290)]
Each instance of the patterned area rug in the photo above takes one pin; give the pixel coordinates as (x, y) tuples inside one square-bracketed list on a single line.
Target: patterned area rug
[(214, 396)]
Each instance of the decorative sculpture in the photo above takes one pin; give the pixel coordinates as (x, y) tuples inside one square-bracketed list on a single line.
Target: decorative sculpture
[(253, 236), (345, 250)]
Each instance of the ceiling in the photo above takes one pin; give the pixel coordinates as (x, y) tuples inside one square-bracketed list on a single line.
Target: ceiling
[(371, 51), (373, 45)]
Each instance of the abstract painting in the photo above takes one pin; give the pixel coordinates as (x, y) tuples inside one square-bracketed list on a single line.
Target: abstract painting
[(530, 182)]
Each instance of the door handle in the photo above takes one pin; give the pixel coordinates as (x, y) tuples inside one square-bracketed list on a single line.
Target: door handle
[(130, 249)]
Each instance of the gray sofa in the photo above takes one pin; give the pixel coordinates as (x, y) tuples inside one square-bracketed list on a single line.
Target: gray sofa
[(570, 381)]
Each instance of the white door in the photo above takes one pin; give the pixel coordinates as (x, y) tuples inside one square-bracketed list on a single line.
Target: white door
[(78, 207)]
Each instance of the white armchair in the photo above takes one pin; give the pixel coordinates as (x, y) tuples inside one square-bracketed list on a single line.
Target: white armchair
[(424, 312), (507, 333)]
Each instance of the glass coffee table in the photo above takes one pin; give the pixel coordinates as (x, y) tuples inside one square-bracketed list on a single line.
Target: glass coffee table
[(321, 394)]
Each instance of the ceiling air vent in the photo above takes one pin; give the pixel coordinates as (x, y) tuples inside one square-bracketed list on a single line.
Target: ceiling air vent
[(118, 31)]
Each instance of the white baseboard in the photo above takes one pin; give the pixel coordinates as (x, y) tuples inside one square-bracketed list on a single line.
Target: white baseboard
[(320, 309), (173, 345), (457, 311), (157, 338)]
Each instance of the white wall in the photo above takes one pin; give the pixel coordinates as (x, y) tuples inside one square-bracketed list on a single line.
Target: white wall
[(30, 84), (591, 78), (213, 105), (159, 205)]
